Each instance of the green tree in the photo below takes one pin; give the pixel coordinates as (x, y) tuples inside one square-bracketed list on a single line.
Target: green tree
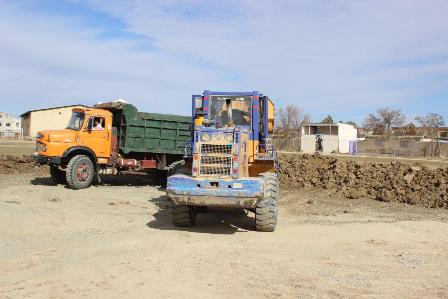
[(328, 120)]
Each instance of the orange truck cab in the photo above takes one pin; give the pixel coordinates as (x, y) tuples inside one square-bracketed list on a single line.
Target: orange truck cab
[(111, 138)]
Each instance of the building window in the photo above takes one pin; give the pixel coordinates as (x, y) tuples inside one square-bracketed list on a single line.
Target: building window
[(8, 124), (17, 125)]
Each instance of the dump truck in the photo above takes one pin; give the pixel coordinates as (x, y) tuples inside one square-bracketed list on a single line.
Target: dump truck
[(231, 162), (113, 138)]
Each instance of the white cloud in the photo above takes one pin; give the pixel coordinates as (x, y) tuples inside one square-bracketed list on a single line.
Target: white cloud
[(323, 56)]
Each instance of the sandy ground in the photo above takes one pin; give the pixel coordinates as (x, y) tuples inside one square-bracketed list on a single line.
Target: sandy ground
[(116, 240)]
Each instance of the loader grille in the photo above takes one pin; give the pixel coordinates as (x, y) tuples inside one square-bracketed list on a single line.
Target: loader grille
[(216, 160)]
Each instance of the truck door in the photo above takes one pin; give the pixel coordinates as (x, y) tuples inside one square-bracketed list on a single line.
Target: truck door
[(97, 136)]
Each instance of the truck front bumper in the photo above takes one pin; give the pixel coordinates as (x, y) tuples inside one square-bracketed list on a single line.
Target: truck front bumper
[(232, 193), (46, 159)]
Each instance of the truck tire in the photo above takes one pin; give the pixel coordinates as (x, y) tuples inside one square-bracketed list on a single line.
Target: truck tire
[(57, 175), (183, 215), (266, 210), (80, 172)]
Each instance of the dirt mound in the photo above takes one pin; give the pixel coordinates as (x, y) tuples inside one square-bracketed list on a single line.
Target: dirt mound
[(394, 181), (13, 165)]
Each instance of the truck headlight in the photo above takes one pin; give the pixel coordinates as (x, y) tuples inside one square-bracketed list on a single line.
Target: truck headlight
[(40, 147), (205, 137)]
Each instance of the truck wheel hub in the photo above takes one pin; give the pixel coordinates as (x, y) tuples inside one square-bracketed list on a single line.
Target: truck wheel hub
[(82, 173)]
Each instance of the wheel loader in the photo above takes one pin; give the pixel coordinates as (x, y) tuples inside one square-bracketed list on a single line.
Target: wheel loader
[(231, 160)]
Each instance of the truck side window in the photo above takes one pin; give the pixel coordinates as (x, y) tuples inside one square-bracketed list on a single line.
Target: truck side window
[(98, 123)]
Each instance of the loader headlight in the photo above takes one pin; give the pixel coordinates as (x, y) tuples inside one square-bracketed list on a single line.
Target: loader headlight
[(205, 137), (217, 137)]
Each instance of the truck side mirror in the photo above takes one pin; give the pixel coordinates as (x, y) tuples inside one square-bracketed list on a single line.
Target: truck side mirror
[(89, 126)]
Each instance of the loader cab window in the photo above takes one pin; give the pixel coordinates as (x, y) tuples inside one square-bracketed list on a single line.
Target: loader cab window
[(229, 111), (76, 121)]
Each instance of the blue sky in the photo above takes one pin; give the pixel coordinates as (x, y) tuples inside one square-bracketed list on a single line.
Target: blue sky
[(344, 58)]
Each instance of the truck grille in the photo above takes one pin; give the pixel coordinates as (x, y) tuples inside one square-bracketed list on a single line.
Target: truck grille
[(216, 160)]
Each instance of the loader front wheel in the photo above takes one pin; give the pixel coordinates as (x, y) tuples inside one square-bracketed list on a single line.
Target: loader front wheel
[(266, 210), (57, 175), (183, 215), (80, 172)]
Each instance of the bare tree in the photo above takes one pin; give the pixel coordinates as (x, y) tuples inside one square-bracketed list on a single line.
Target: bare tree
[(384, 119), (306, 119), (289, 118), (431, 122), (407, 130), (328, 120), (390, 117), (373, 124), (354, 124)]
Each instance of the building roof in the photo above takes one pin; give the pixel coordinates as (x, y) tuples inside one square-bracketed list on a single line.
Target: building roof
[(324, 124), (43, 109)]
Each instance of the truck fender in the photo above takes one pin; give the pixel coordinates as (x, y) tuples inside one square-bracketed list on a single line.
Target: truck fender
[(79, 150)]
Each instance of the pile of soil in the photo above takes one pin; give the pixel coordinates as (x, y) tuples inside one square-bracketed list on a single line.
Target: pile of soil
[(24, 164), (394, 181)]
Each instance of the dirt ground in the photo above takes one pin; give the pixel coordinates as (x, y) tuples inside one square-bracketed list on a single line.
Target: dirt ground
[(390, 181), (116, 240)]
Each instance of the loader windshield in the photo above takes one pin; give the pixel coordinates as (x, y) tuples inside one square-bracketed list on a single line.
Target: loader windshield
[(228, 111), (76, 121)]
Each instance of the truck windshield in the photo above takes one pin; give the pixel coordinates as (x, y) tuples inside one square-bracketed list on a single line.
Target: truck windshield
[(76, 121), (231, 110)]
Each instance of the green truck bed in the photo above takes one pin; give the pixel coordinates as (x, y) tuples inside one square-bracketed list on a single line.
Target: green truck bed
[(142, 132)]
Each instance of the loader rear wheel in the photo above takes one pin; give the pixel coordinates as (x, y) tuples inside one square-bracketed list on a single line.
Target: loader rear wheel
[(57, 175), (183, 215), (80, 172), (266, 210)]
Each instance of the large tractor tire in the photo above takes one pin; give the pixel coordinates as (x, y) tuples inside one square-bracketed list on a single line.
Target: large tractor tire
[(183, 215), (80, 172), (266, 210), (57, 175), (158, 177)]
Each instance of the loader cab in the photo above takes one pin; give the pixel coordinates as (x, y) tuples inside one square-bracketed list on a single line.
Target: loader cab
[(231, 125)]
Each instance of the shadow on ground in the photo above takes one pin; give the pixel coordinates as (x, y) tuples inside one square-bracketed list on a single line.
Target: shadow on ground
[(213, 221), (48, 181), (126, 180), (120, 180)]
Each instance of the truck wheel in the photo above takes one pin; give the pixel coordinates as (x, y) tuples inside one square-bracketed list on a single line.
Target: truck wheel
[(57, 175), (266, 210), (183, 215), (79, 172)]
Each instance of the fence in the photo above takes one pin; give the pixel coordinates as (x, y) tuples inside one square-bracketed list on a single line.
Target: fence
[(402, 148), (370, 147), (15, 137), (287, 144)]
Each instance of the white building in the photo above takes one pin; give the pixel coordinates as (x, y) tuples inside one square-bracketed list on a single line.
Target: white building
[(9, 125), (55, 118), (327, 138)]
